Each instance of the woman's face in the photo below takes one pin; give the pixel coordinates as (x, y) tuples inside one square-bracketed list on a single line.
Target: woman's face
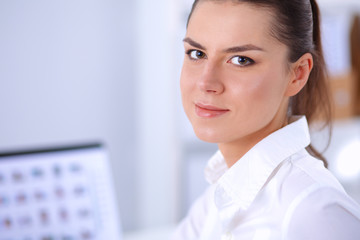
[(235, 74)]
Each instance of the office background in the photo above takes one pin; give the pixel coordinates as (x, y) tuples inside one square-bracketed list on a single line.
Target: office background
[(81, 71)]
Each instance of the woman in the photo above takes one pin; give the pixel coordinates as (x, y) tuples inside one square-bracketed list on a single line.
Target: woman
[(252, 76)]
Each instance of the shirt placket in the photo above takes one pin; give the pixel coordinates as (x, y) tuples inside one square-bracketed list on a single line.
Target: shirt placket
[(227, 210)]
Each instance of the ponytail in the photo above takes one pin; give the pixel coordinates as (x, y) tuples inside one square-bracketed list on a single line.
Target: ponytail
[(314, 99)]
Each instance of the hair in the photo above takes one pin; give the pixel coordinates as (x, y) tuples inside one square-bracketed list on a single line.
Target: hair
[(297, 25)]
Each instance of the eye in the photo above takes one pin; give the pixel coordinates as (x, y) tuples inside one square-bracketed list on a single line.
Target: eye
[(195, 54), (241, 61)]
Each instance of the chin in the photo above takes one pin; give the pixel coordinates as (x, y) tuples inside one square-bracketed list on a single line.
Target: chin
[(208, 135)]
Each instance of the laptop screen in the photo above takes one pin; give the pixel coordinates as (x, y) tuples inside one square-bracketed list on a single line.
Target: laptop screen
[(62, 193)]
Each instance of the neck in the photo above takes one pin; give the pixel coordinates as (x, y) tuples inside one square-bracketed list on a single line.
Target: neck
[(235, 150)]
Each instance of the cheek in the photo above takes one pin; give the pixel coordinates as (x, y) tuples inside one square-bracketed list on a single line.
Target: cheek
[(188, 78), (265, 90), (184, 83), (187, 84)]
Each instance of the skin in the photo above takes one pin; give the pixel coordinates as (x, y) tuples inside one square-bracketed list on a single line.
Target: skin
[(236, 79)]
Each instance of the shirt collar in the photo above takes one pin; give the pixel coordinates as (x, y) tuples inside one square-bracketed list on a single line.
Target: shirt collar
[(241, 183)]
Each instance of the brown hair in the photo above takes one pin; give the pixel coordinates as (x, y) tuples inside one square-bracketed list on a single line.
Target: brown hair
[(298, 26)]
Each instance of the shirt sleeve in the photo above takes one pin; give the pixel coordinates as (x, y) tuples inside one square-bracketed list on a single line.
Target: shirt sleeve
[(323, 214)]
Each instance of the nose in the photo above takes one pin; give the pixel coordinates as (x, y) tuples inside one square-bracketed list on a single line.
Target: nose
[(210, 79)]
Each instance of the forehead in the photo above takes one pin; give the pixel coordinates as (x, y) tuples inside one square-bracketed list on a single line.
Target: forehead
[(231, 23)]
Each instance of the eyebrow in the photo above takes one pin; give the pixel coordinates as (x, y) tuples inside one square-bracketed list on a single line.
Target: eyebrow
[(193, 43), (243, 48)]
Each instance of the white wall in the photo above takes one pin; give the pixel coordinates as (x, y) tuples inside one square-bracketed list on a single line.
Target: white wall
[(157, 70), (74, 71), (66, 75)]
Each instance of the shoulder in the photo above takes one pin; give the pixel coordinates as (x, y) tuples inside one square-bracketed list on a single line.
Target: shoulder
[(322, 212), (317, 205), (300, 173)]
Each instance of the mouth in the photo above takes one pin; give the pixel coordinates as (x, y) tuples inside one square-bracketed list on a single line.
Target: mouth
[(209, 111)]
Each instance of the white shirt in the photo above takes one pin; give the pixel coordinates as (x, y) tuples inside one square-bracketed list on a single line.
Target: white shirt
[(276, 191)]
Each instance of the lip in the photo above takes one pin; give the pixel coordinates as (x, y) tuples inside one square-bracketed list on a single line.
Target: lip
[(209, 111)]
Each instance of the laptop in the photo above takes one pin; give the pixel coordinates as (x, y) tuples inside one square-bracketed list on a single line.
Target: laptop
[(58, 193)]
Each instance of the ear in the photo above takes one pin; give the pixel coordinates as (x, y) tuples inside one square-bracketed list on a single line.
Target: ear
[(299, 74)]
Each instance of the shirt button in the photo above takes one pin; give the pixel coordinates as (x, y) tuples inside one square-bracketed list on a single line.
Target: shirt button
[(227, 236)]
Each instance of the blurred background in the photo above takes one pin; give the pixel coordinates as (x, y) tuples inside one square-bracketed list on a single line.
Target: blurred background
[(75, 71)]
